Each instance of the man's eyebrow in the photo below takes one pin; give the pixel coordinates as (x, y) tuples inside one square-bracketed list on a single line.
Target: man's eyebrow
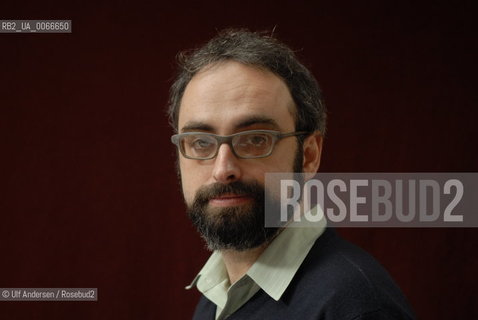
[(196, 126), (257, 120), (250, 121)]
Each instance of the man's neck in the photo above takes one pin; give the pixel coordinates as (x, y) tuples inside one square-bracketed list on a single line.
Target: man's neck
[(238, 262)]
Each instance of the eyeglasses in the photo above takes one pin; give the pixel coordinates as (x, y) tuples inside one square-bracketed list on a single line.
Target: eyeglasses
[(246, 145)]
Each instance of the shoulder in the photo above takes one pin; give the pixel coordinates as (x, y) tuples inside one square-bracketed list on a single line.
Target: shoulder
[(342, 280)]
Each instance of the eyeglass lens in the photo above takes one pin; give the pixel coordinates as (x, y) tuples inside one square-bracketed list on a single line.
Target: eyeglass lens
[(247, 145)]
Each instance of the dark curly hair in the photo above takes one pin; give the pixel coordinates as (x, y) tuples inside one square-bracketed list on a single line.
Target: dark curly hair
[(257, 50)]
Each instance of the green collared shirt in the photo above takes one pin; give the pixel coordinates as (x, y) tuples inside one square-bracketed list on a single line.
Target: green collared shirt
[(272, 272)]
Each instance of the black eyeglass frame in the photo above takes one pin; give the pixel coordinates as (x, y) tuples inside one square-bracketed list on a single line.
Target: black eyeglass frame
[(276, 136)]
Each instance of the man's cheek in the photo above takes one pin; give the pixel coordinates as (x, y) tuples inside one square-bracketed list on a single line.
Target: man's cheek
[(189, 191), (188, 196)]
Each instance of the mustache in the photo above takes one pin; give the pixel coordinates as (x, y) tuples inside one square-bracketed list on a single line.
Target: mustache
[(240, 188)]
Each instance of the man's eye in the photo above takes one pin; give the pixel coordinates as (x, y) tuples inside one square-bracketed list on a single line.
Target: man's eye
[(257, 140), (201, 144)]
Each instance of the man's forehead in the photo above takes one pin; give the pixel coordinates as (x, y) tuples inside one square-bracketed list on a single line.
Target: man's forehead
[(236, 95)]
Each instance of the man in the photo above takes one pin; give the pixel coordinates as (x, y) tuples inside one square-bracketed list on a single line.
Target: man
[(242, 106)]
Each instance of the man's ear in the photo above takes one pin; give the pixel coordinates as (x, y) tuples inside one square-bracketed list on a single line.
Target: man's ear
[(312, 148)]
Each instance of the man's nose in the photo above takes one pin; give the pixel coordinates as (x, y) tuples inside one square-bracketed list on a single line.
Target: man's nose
[(226, 166)]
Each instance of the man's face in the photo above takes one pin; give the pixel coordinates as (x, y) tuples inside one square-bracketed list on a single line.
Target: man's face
[(224, 99)]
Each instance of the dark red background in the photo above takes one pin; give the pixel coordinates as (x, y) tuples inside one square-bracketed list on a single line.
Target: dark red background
[(89, 196)]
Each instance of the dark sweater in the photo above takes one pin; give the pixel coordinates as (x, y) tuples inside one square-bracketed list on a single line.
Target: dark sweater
[(337, 280)]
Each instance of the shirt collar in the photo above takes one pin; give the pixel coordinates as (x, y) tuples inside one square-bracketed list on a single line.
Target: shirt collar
[(214, 271), (276, 267)]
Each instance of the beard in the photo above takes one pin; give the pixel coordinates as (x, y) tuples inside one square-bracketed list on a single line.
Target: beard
[(240, 227)]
